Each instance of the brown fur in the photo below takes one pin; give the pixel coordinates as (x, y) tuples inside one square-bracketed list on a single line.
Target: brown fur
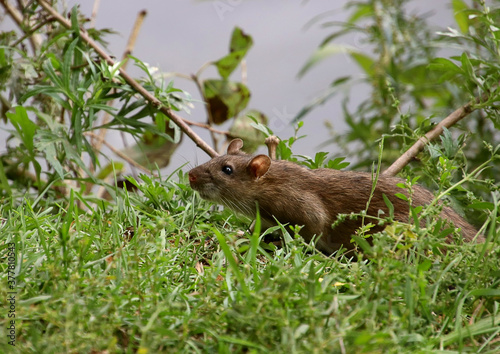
[(299, 196)]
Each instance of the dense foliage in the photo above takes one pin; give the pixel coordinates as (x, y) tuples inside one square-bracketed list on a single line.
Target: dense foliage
[(93, 264)]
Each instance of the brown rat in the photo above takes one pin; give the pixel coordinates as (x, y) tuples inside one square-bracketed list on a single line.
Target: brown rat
[(299, 196)]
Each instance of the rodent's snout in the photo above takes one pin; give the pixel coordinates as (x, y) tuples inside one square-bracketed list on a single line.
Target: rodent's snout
[(192, 177)]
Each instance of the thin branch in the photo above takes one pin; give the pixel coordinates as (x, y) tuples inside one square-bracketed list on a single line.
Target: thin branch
[(28, 34), (95, 9), (128, 50), (13, 12), (208, 127), (210, 120), (133, 36), (419, 145), (178, 120), (203, 67), (118, 152), (17, 16), (244, 72)]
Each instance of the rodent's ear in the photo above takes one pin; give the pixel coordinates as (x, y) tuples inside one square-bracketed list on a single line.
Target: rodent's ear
[(234, 147), (259, 165)]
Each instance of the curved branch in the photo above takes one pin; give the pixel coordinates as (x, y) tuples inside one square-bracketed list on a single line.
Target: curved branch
[(419, 145), (178, 120)]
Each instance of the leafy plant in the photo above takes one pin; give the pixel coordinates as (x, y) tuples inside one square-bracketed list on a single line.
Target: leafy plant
[(403, 70), (154, 269), (63, 100), (413, 90)]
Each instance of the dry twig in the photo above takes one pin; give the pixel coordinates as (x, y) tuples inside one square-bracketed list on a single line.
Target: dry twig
[(118, 152), (419, 145), (128, 50), (16, 15), (93, 17)]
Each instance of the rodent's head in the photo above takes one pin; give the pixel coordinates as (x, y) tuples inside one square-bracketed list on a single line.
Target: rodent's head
[(230, 179)]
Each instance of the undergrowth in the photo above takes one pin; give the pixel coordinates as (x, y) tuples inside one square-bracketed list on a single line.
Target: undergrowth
[(159, 271)]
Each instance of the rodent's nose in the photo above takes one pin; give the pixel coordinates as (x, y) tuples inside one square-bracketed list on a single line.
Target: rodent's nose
[(192, 177)]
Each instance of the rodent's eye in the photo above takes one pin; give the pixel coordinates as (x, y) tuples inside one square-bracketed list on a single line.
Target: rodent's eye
[(227, 170)]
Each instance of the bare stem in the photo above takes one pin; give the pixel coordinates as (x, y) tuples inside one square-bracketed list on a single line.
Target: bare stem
[(95, 8), (118, 152), (31, 31), (419, 145), (133, 36), (208, 127), (17, 16), (210, 120), (128, 50)]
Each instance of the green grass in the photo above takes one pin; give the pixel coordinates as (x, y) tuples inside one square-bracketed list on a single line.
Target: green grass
[(159, 271)]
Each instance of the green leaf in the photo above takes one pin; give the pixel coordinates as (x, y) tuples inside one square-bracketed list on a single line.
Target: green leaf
[(485, 292), (443, 64), (240, 40), (337, 163), (48, 142), (481, 206), (460, 14), (425, 265), (320, 158), (401, 196), (389, 205), (448, 68), (67, 62), (363, 11), (244, 127), (225, 98), (240, 44), (34, 300), (364, 61), (226, 65), (53, 60), (75, 156), (76, 122), (157, 144), (25, 128), (321, 54), (3, 58), (74, 20), (365, 246), (110, 168), (231, 261), (48, 68), (127, 108), (485, 325), (4, 182), (26, 131), (262, 128), (467, 66)]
